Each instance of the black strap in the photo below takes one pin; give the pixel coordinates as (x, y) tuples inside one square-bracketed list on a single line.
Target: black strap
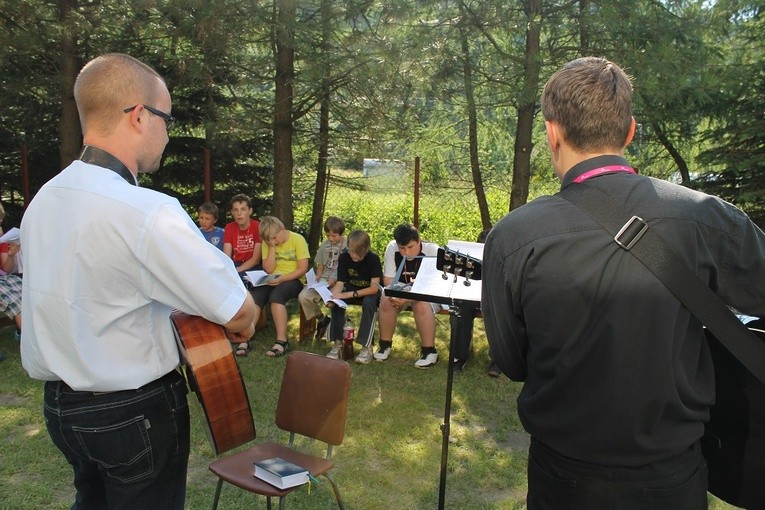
[(99, 157), (669, 268)]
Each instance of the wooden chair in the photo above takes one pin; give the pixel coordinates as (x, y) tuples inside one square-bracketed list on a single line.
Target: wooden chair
[(313, 402)]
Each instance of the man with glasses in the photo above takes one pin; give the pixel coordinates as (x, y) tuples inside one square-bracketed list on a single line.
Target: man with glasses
[(96, 309)]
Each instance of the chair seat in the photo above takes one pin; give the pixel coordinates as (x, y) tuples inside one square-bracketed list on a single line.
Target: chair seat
[(237, 469)]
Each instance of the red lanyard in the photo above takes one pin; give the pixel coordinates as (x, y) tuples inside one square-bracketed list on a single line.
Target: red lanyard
[(603, 170)]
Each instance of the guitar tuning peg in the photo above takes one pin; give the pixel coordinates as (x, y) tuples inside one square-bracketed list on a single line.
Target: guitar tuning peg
[(468, 276), (447, 256), (469, 264), (447, 267)]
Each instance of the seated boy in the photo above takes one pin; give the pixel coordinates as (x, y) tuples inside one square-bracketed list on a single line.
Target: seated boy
[(326, 270), (284, 253), (208, 216), (406, 247), (358, 278), (241, 238)]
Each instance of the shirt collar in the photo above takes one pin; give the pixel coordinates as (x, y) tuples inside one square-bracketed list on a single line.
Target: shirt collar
[(590, 164)]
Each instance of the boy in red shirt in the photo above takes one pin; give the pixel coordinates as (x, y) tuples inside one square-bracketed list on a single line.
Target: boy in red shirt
[(241, 237)]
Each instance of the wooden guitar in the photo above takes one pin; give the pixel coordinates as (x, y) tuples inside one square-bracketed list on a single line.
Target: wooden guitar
[(734, 439), (213, 374)]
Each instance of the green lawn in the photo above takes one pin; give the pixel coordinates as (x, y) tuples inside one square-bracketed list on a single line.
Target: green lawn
[(390, 458)]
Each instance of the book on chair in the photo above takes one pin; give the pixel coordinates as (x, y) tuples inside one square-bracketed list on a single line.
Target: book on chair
[(279, 472)]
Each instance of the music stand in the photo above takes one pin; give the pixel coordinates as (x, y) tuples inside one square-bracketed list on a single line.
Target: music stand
[(439, 286)]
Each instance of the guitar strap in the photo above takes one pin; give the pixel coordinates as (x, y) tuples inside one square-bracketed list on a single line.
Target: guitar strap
[(95, 156), (633, 234)]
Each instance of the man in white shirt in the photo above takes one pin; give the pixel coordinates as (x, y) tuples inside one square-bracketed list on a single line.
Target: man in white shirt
[(407, 248), (96, 308)]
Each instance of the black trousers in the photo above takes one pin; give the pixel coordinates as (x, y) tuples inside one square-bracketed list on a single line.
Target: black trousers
[(560, 483)]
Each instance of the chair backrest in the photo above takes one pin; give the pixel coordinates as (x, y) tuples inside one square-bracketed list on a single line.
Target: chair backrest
[(313, 400)]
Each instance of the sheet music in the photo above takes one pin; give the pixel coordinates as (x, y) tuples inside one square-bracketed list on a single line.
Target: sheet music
[(474, 250)]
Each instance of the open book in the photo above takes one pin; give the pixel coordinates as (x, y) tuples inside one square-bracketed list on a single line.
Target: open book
[(260, 277), (320, 286), (279, 472)]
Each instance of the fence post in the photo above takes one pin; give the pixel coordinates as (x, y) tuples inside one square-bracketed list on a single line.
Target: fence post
[(207, 175), (416, 214)]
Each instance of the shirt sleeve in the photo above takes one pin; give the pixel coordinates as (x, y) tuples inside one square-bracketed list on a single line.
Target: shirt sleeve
[(183, 270), (389, 266)]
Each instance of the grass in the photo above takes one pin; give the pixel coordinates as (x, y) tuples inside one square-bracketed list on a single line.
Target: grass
[(390, 457)]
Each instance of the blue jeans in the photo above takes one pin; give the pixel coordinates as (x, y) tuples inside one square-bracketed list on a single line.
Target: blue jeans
[(559, 483), (128, 449)]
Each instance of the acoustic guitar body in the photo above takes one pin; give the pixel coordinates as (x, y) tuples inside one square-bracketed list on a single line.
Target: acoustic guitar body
[(214, 376), (734, 439)]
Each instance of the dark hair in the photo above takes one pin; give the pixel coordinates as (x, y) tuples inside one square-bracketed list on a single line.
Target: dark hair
[(240, 197), (334, 224), (209, 208), (406, 233), (591, 100)]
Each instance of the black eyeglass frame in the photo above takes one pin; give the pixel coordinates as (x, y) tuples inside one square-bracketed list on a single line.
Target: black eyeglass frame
[(169, 119)]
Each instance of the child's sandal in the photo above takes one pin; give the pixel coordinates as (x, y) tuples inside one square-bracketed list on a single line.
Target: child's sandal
[(279, 349), (242, 351)]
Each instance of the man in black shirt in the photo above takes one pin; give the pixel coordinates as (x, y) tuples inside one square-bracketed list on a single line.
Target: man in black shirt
[(618, 378)]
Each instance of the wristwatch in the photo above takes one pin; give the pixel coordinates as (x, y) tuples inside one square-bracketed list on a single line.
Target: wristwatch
[(355, 293)]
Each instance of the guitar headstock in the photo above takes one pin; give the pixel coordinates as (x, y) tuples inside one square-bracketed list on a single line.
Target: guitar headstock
[(459, 264)]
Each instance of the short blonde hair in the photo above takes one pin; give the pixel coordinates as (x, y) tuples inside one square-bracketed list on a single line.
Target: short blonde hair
[(269, 227)]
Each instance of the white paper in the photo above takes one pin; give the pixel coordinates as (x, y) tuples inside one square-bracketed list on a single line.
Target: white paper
[(326, 295), (259, 277), (12, 236), (312, 282), (474, 250), (431, 282)]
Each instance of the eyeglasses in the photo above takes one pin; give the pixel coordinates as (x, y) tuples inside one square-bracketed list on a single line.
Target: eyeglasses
[(169, 119)]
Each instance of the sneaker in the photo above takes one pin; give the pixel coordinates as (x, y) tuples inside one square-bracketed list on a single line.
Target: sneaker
[(459, 365), (494, 371), (427, 359), (365, 356), (335, 352), (321, 326), (383, 352)]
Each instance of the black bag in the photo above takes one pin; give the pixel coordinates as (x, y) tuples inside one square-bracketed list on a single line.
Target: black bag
[(734, 438)]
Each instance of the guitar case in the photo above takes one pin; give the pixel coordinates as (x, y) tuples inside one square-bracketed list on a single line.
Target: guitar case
[(734, 439)]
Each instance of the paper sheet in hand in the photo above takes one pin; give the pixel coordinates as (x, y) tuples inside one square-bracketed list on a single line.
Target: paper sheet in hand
[(12, 236), (312, 282)]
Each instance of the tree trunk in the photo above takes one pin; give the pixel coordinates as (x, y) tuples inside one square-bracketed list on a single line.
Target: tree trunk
[(320, 191), (475, 167), (69, 127), (682, 166), (285, 60), (526, 106)]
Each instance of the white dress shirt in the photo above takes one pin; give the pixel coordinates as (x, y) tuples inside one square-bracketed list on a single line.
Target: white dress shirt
[(105, 263)]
